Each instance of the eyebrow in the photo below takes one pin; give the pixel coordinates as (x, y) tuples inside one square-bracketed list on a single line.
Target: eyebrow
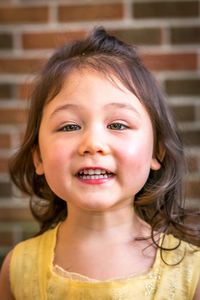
[(126, 106), (119, 105), (64, 107)]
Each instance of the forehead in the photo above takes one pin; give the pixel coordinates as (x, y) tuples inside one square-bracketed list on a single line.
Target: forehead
[(87, 79), (88, 87), (90, 96), (110, 68)]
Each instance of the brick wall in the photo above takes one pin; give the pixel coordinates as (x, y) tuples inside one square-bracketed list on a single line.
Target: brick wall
[(167, 34)]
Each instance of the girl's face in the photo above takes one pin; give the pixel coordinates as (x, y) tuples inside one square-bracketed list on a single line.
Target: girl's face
[(95, 143)]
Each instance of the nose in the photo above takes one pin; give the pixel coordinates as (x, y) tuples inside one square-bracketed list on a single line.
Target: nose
[(93, 142)]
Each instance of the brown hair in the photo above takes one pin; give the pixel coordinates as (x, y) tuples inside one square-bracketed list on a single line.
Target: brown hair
[(161, 201)]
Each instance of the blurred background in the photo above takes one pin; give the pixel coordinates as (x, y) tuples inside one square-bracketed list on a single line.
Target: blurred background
[(167, 34)]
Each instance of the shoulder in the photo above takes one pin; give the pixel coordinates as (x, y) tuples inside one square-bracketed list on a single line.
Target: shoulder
[(173, 241), (197, 292), (28, 250), (189, 266), (27, 263), (35, 243), (189, 251), (13, 266), (29, 243), (5, 288), (193, 253)]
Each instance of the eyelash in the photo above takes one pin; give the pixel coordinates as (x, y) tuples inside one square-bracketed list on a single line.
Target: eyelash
[(117, 126), (113, 126), (70, 127)]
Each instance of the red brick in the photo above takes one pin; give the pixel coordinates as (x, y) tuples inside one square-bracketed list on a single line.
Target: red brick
[(165, 9), (24, 91), (171, 61), (5, 189), (20, 65), (184, 113), (6, 41), (3, 165), (17, 214), (6, 90), (185, 35), (190, 87), (192, 163), (6, 238), (4, 141), (79, 13), (193, 189), (47, 40), (13, 116), (22, 134), (139, 36), (6, 2), (20, 14), (191, 137)]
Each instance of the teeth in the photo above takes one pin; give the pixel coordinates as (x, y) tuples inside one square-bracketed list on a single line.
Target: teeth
[(95, 176), (93, 172)]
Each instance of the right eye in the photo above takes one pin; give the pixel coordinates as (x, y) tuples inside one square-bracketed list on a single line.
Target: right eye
[(70, 127)]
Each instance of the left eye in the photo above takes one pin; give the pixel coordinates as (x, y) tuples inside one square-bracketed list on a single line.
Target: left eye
[(117, 126), (70, 127)]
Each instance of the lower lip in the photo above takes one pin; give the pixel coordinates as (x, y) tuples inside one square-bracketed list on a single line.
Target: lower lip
[(95, 181)]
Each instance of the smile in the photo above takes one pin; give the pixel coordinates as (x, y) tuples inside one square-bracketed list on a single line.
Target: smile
[(94, 174)]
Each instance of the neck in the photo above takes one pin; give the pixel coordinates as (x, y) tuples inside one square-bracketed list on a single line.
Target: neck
[(121, 224)]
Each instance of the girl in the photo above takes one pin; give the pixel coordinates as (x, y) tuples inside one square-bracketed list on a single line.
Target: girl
[(103, 157)]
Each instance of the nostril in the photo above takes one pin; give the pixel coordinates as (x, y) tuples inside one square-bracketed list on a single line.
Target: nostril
[(93, 147)]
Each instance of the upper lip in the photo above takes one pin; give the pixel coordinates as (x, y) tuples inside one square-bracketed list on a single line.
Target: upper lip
[(94, 168)]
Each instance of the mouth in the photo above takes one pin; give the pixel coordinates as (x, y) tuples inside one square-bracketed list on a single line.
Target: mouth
[(94, 173)]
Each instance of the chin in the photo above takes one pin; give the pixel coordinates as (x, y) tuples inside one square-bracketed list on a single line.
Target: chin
[(97, 206)]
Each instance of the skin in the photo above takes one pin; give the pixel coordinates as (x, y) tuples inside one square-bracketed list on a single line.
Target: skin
[(105, 134), (93, 106), (95, 123)]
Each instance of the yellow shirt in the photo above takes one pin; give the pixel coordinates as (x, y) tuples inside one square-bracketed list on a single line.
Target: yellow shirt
[(33, 276)]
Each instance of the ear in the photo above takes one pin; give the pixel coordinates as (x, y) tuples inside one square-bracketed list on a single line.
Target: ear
[(37, 160), (156, 162)]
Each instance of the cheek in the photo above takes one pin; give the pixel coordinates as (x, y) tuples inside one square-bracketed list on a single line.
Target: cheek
[(136, 162), (56, 168), (139, 150), (54, 157), (136, 157)]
